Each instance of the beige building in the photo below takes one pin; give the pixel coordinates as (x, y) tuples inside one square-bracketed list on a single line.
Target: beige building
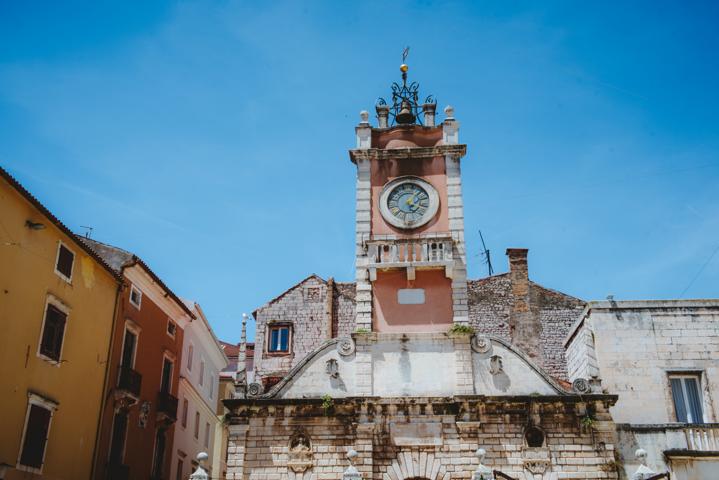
[(661, 357), (57, 305)]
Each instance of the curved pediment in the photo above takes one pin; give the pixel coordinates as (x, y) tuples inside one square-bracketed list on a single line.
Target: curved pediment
[(414, 365)]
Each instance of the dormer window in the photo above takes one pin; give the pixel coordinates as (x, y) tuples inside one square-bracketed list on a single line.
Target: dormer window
[(278, 339), (64, 262), (135, 297)]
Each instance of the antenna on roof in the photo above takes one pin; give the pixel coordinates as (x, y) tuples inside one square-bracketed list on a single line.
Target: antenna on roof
[(88, 233), (485, 255)]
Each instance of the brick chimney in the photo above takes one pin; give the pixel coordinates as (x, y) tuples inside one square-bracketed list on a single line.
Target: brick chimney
[(524, 325)]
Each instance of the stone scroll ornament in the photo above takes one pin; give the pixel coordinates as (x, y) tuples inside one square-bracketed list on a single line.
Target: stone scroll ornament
[(581, 385), (481, 344), (254, 389), (345, 346)]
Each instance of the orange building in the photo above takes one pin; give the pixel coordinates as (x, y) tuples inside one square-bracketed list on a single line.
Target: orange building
[(137, 424)]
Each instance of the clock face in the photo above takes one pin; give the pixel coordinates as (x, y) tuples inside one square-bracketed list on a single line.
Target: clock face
[(408, 202)]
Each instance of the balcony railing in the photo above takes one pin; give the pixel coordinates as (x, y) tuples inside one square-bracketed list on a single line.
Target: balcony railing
[(118, 472), (701, 438), (129, 381), (427, 251), (167, 406)]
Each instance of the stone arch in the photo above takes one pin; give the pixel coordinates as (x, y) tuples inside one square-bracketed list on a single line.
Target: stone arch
[(414, 465)]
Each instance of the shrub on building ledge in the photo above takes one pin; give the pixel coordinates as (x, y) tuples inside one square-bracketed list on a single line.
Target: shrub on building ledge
[(458, 329)]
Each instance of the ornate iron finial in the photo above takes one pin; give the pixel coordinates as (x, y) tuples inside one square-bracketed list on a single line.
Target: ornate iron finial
[(405, 108)]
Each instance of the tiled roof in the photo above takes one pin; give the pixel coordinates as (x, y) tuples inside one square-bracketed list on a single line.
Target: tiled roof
[(120, 259), (39, 206)]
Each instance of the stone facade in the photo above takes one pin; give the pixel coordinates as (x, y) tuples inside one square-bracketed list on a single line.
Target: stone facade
[(636, 347), (429, 438)]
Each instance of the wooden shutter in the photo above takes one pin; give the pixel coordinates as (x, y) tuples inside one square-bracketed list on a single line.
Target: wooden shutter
[(33, 448), (64, 261), (53, 332)]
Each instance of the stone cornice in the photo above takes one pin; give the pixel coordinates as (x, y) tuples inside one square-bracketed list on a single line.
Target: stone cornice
[(407, 153)]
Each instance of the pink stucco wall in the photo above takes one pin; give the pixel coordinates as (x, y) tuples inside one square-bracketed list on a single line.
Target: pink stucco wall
[(435, 315)]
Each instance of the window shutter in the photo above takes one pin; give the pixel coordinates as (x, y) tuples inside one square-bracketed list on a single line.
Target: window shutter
[(64, 261), (679, 403), (33, 449), (53, 332), (695, 406)]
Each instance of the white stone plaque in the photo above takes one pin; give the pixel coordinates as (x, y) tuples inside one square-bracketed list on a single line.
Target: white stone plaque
[(416, 434), (410, 296)]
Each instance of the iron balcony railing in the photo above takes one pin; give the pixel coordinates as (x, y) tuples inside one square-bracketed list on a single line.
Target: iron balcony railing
[(167, 405), (129, 380)]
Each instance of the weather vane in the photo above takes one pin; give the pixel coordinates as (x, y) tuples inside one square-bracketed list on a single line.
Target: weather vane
[(406, 107)]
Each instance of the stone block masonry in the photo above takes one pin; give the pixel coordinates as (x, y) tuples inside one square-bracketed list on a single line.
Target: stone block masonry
[(436, 439)]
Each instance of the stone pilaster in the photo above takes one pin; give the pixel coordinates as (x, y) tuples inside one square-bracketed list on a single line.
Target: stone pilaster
[(363, 359), (363, 225), (463, 360), (236, 444), (364, 445), (456, 227)]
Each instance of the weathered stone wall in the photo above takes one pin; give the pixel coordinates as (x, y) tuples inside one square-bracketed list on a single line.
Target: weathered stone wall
[(490, 306), (305, 308), (400, 439)]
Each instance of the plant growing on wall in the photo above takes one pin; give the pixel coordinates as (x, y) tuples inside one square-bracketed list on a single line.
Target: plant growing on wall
[(362, 331), (458, 329), (328, 404)]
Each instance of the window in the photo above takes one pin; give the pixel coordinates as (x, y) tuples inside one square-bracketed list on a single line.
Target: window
[(197, 424), (185, 407), (128, 349), (171, 328), (190, 352), (180, 465), (35, 435), (135, 297), (159, 457), (687, 398), (279, 339), (166, 380), (53, 330), (207, 435), (534, 437), (63, 264), (117, 441), (202, 372)]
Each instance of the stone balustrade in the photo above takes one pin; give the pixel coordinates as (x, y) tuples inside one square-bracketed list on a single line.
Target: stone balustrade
[(433, 250), (702, 438)]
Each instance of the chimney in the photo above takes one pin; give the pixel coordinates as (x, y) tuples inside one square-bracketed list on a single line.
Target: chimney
[(524, 326)]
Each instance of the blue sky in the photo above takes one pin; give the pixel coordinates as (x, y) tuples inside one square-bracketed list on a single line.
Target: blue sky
[(211, 137)]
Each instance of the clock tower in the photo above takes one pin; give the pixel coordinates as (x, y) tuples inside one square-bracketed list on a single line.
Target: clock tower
[(411, 269)]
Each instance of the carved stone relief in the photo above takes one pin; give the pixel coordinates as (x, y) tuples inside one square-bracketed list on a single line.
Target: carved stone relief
[(300, 452)]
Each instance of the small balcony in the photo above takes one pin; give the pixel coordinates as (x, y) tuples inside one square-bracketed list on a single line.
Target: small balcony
[(702, 438), (424, 252), (166, 408), (118, 472), (129, 382)]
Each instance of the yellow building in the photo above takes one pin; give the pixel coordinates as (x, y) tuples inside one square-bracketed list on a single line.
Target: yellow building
[(57, 305)]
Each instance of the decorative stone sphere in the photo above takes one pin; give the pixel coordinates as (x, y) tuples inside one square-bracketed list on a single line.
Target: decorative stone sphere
[(480, 453), (640, 453), (364, 116), (449, 111), (403, 68), (352, 454), (202, 456)]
